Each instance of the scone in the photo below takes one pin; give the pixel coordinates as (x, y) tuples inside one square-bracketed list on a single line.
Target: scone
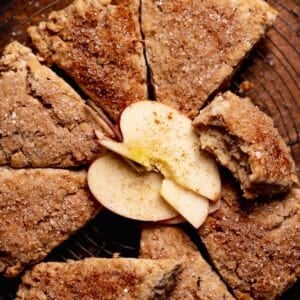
[(100, 278), (194, 47), (44, 122), (39, 209), (197, 280), (244, 140), (255, 246), (98, 44)]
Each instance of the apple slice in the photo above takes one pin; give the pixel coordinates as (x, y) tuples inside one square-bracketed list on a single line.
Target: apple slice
[(173, 221), (214, 206), (193, 207), (160, 138), (127, 193)]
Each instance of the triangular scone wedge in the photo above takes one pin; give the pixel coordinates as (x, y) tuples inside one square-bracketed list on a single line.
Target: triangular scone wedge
[(39, 209), (255, 244), (194, 47), (44, 122), (197, 280), (99, 44), (100, 278)]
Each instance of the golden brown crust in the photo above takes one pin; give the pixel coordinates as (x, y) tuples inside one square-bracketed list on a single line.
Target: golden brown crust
[(100, 278), (197, 281), (252, 141), (98, 43), (43, 121), (192, 47), (255, 245), (40, 208)]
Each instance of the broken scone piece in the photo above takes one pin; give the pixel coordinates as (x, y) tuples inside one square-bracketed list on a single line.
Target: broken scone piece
[(44, 122), (39, 209), (98, 44), (194, 47), (197, 280), (255, 245), (100, 278), (244, 140)]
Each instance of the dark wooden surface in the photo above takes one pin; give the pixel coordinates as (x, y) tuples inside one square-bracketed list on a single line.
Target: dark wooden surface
[(273, 69)]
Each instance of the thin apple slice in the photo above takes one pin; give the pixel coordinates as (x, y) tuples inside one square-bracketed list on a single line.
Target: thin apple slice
[(123, 150), (160, 138), (190, 205), (127, 193), (173, 221), (118, 148), (214, 206)]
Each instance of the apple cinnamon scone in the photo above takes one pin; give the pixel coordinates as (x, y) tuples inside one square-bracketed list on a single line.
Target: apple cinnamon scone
[(39, 209), (194, 47), (98, 44), (100, 278), (197, 280), (44, 122), (244, 139), (255, 245)]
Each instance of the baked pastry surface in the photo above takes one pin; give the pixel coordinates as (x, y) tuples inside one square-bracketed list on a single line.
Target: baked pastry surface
[(194, 47), (39, 209), (98, 44), (197, 280), (44, 122), (244, 139), (255, 245), (100, 278)]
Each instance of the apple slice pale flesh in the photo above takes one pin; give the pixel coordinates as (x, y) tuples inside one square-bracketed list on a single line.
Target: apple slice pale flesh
[(173, 221), (191, 206), (160, 138), (122, 190), (213, 207)]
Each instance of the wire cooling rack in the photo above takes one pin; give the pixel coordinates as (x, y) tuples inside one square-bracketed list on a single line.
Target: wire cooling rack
[(273, 71)]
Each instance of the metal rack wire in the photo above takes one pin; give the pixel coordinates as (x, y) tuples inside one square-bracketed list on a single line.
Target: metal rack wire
[(273, 68)]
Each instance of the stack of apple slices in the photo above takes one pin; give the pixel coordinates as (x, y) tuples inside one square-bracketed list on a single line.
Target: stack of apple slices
[(179, 178)]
